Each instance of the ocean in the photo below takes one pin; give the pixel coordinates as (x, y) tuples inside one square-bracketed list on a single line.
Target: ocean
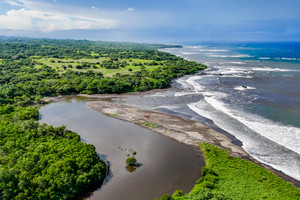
[(250, 90)]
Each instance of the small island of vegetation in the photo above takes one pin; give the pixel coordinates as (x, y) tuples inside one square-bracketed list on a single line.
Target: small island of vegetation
[(131, 161)]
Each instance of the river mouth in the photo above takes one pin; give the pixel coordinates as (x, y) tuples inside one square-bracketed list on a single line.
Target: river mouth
[(166, 165)]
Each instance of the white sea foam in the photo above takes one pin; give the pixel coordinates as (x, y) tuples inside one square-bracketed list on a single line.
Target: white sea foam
[(169, 107), (237, 76), (192, 81), (196, 47), (183, 82), (248, 76), (290, 59), (240, 56), (287, 136), (158, 94), (243, 76), (233, 62), (189, 53), (237, 63), (283, 58), (215, 55), (244, 88), (230, 70), (272, 69), (180, 94), (223, 117), (264, 58), (212, 50)]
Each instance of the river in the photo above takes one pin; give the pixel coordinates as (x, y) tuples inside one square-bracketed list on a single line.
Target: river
[(166, 165)]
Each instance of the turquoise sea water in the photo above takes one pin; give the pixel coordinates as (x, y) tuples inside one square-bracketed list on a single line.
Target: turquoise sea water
[(250, 90)]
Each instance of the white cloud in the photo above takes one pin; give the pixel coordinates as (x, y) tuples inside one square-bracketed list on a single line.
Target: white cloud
[(35, 16), (13, 3), (46, 17)]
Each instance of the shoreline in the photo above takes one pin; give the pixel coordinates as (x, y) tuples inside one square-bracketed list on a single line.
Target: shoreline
[(182, 130), (104, 96)]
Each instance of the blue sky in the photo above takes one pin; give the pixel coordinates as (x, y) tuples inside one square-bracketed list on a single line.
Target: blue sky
[(153, 20)]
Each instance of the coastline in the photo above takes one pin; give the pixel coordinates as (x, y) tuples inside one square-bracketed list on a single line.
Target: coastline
[(103, 96), (178, 128)]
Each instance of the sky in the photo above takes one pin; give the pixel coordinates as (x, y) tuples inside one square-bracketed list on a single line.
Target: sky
[(167, 21)]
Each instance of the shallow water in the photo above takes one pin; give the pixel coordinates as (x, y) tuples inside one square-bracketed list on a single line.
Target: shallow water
[(166, 165)]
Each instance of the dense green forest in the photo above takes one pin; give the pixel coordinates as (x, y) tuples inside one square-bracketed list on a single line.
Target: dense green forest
[(25, 79), (226, 177), (38, 161)]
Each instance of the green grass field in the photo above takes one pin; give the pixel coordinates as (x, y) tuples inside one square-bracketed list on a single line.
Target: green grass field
[(1, 62), (94, 54), (58, 65), (228, 177)]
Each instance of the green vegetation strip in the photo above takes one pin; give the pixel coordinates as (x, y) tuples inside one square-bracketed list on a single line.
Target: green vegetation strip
[(228, 177), (148, 124), (111, 114)]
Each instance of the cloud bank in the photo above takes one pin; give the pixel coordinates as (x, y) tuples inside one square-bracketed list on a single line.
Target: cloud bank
[(193, 20), (35, 16)]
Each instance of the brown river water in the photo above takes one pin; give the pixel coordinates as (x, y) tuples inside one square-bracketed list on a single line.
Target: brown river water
[(166, 165)]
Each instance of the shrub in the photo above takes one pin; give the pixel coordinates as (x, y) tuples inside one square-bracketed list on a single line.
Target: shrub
[(178, 193), (131, 161)]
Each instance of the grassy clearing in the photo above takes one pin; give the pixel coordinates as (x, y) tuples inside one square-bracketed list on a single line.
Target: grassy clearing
[(228, 177), (66, 61), (58, 64), (136, 60), (1, 62), (35, 57), (94, 54)]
